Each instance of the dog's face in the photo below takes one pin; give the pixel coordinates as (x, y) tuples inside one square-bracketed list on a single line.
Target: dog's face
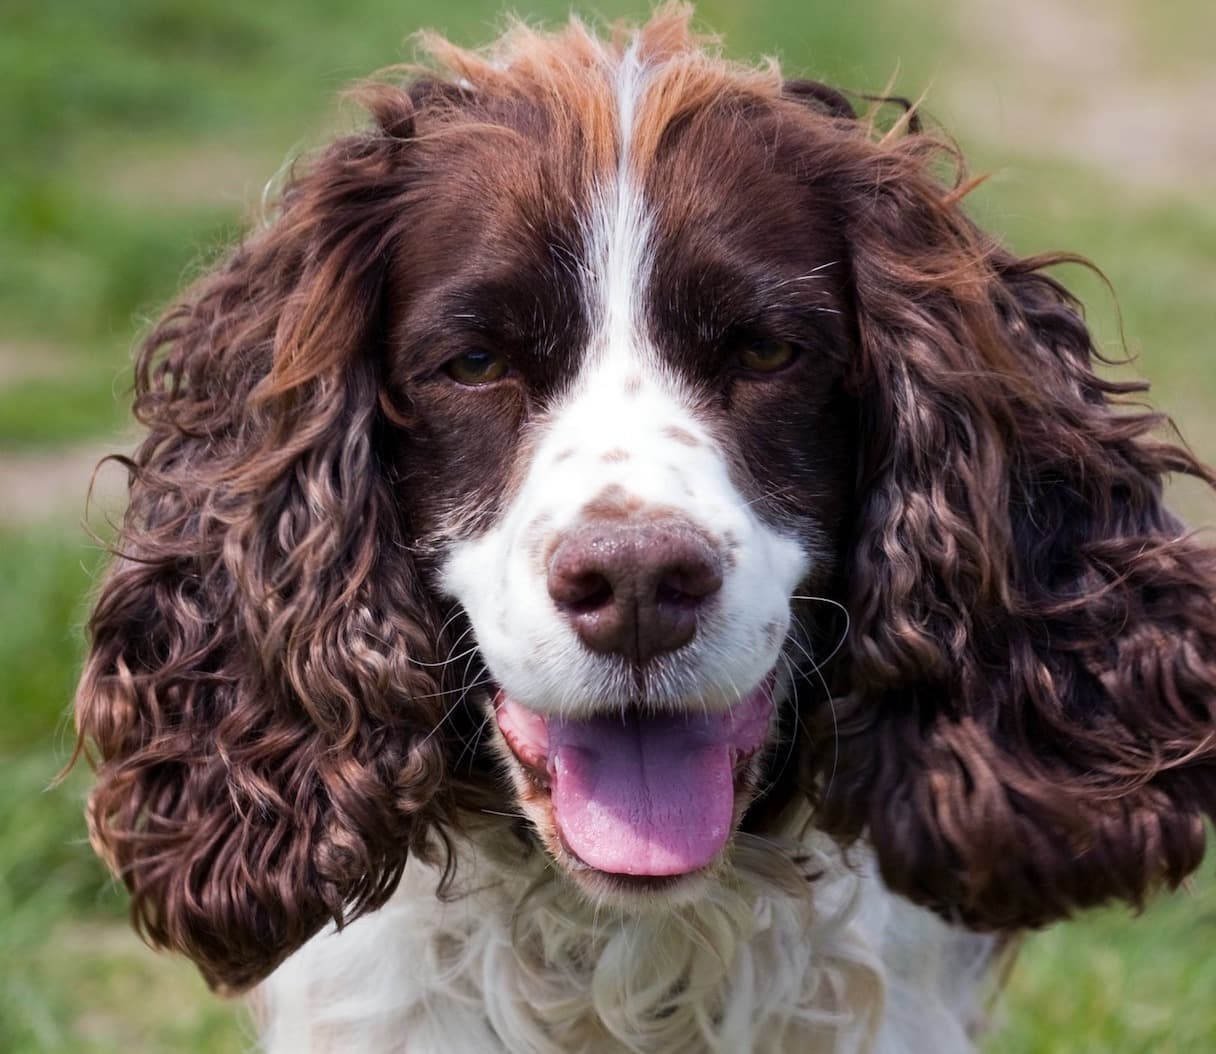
[(581, 365), (632, 448)]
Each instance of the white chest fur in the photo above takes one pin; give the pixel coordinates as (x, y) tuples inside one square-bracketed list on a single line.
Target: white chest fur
[(766, 961)]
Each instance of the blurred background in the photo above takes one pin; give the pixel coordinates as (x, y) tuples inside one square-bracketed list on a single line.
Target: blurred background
[(136, 137)]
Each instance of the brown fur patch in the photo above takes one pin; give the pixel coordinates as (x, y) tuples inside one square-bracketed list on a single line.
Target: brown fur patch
[(772, 633), (541, 542), (612, 503), (682, 436)]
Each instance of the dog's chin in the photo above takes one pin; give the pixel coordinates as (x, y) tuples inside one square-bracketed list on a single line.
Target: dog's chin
[(637, 809)]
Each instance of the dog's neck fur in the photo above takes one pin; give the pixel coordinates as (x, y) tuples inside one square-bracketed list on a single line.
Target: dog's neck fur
[(777, 956)]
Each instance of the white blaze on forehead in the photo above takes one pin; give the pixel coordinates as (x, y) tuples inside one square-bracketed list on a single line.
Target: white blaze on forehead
[(628, 427), (619, 230)]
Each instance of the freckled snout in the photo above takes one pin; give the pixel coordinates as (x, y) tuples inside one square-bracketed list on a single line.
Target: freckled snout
[(634, 588)]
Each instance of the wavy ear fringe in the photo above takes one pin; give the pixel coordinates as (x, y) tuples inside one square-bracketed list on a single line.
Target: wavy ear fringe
[(264, 740), (1027, 725)]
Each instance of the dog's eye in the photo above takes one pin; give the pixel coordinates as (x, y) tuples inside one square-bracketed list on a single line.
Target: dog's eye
[(478, 366), (766, 356)]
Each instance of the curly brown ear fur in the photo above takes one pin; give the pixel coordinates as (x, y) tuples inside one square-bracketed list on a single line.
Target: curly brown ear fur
[(1029, 720), (264, 742)]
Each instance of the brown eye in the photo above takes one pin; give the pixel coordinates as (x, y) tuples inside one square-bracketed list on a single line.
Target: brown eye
[(476, 367), (766, 356)]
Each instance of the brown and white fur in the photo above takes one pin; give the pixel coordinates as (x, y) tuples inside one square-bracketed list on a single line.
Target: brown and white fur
[(620, 562)]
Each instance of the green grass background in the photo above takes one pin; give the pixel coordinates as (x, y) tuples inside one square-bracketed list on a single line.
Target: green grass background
[(135, 138)]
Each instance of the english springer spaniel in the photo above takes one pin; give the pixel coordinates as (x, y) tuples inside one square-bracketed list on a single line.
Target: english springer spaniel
[(620, 562)]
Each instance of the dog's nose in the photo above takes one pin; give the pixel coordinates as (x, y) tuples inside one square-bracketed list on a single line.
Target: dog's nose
[(634, 589)]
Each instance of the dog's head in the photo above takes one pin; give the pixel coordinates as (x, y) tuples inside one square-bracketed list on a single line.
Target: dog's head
[(643, 435)]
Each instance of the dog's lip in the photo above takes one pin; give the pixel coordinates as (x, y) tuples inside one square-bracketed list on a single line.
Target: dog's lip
[(526, 733)]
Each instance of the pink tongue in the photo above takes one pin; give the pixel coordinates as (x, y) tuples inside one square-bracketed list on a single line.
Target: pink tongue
[(643, 795)]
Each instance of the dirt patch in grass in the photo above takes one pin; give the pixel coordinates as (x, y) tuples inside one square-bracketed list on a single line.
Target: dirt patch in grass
[(1087, 81), (44, 485), (1194, 501), (217, 174), (21, 360), (124, 994)]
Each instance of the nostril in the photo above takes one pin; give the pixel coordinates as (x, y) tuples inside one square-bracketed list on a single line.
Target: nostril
[(669, 595), (581, 594), (688, 585)]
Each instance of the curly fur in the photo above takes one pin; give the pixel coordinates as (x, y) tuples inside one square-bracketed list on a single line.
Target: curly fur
[(1027, 725), (1023, 716), (252, 687)]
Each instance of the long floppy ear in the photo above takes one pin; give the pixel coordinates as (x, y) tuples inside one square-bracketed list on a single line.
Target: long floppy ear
[(1028, 720), (264, 740)]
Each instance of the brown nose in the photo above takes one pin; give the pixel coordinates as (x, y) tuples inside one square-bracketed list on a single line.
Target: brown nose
[(633, 589)]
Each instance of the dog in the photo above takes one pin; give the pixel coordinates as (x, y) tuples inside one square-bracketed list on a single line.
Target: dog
[(620, 561)]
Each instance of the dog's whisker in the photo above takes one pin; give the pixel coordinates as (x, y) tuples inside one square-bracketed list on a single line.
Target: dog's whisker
[(519, 815), (455, 616), (768, 494), (474, 741), (461, 690), (829, 700), (844, 633), (789, 744), (445, 662)]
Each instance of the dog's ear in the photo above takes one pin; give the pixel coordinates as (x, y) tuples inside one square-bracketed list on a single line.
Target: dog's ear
[(1027, 723), (263, 735)]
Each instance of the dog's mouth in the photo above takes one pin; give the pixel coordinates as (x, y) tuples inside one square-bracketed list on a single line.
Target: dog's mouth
[(635, 794)]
